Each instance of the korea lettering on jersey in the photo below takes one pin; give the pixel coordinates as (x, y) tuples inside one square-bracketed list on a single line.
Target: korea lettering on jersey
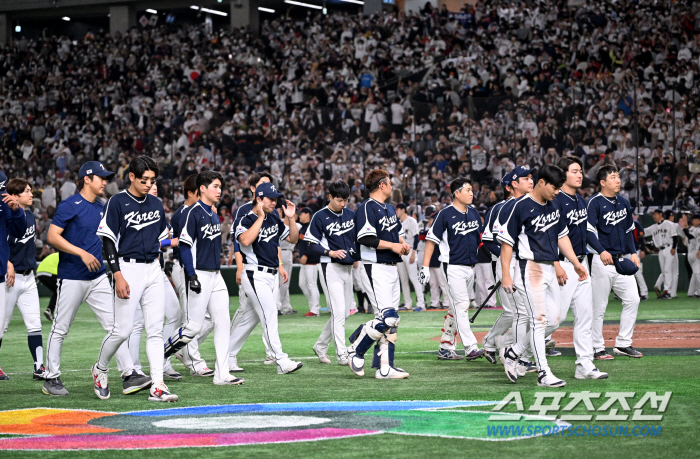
[(610, 220), (534, 229), (576, 216), (377, 219), (22, 249), (263, 251), (458, 235), (334, 231), (201, 231), (134, 225)]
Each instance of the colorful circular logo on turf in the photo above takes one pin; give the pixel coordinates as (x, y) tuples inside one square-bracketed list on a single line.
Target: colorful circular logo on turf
[(230, 425)]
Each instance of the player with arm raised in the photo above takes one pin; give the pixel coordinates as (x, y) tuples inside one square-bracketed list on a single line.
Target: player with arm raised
[(610, 237), (457, 230), (380, 237)]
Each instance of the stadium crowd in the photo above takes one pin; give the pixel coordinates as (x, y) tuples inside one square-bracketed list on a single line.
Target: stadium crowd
[(427, 96)]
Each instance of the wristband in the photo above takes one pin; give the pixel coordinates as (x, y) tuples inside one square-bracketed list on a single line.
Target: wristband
[(326, 252)]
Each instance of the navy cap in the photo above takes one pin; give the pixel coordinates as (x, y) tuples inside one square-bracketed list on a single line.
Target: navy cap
[(3, 182), (94, 168), (430, 211), (267, 190), (625, 266), (519, 171)]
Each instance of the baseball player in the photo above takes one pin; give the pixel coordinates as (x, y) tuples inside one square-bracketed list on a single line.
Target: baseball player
[(331, 235), (516, 184), (246, 318), (457, 229), (81, 276), (258, 234), (575, 294), (640, 246), (205, 290), (483, 277), (308, 274), (284, 305), (670, 216), (20, 283), (408, 270), (381, 243), (693, 235), (610, 238), (131, 229), (12, 224), (435, 287), (47, 274), (663, 234), (536, 232)]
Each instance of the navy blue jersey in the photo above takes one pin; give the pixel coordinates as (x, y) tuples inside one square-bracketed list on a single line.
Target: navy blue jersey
[(573, 209), (263, 251), (609, 220), (176, 224), (638, 236), (435, 259), (377, 219), (79, 219), (334, 232), (22, 249), (12, 224), (534, 229), (136, 226), (312, 258), (490, 219), (200, 234), (458, 234), (241, 212)]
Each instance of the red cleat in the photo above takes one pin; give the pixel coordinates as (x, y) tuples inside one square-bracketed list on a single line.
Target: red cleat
[(310, 314)]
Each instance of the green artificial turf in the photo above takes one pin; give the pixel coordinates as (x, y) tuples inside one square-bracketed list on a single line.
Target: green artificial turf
[(430, 379)]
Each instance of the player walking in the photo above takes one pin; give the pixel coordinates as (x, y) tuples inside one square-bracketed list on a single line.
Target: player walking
[(693, 235), (258, 234), (640, 247), (380, 237), (610, 238), (131, 229), (536, 231), (457, 229), (200, 252), (308, 274), (20, 281), (408, 270), (663, 233), (81, 276), (331, 235)]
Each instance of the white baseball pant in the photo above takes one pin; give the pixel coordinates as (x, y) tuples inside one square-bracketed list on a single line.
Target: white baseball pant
[(245, 319), (409, 272), (438, 287), (694, 284), (459, 281), (381, 282), (146, 290), (483, 280), (357, 283), (308, 282), (26, 296), (540, 293), (283, 303), (71, 293), (578, 296), (502, 334), (668, 279), (639, 277), (605, 278), (336, 281), (262, 289)]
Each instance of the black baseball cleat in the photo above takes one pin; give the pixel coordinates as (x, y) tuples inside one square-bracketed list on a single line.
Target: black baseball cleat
[(39, 374), (491, 356), (602, 355), (628, 351)]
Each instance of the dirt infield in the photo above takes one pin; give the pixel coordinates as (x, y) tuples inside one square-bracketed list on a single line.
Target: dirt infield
[(673, 335)]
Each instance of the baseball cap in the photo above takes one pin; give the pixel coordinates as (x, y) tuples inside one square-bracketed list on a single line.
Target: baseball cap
[(625, 267), (519, 171), (430, 211), (94, 168), (3, 182), (306, 210), (267, 190)]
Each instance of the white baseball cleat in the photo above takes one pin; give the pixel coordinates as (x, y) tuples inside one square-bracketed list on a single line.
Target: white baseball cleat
[(524, 367), (322, 356), (343, 361), (233, 365), (510, 365), (394, 373), (230, 381), (286, 366), (101, 382), (502, 355), (160, 393), (547, 379), (357, 364), (269, 360), (170, 373), (204, 372), (593, 374)]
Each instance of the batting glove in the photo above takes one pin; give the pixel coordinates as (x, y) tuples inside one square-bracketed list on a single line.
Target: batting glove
[(424, 275), (195, 286)]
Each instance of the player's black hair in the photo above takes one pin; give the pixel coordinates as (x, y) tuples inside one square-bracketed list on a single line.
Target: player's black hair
[(190, 186), (16, 186), (204, 179), (604, 171), (339, 189), (255, 178), (658, 211), (401, 206), (458, 183), (375, 178), (552, 175), (567, 161), (141, 164)]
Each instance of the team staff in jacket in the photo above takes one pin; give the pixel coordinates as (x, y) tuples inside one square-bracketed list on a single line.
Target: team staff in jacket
[(331, 236), (610, 237), (457, 230)]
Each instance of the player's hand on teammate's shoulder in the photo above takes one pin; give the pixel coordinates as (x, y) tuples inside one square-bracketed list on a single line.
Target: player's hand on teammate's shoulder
[(121, 286)]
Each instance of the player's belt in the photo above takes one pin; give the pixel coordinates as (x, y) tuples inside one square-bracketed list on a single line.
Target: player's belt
[(578, 257), (382, 263), (663, 248), (137, 260), (26, 272), (265, 269)]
